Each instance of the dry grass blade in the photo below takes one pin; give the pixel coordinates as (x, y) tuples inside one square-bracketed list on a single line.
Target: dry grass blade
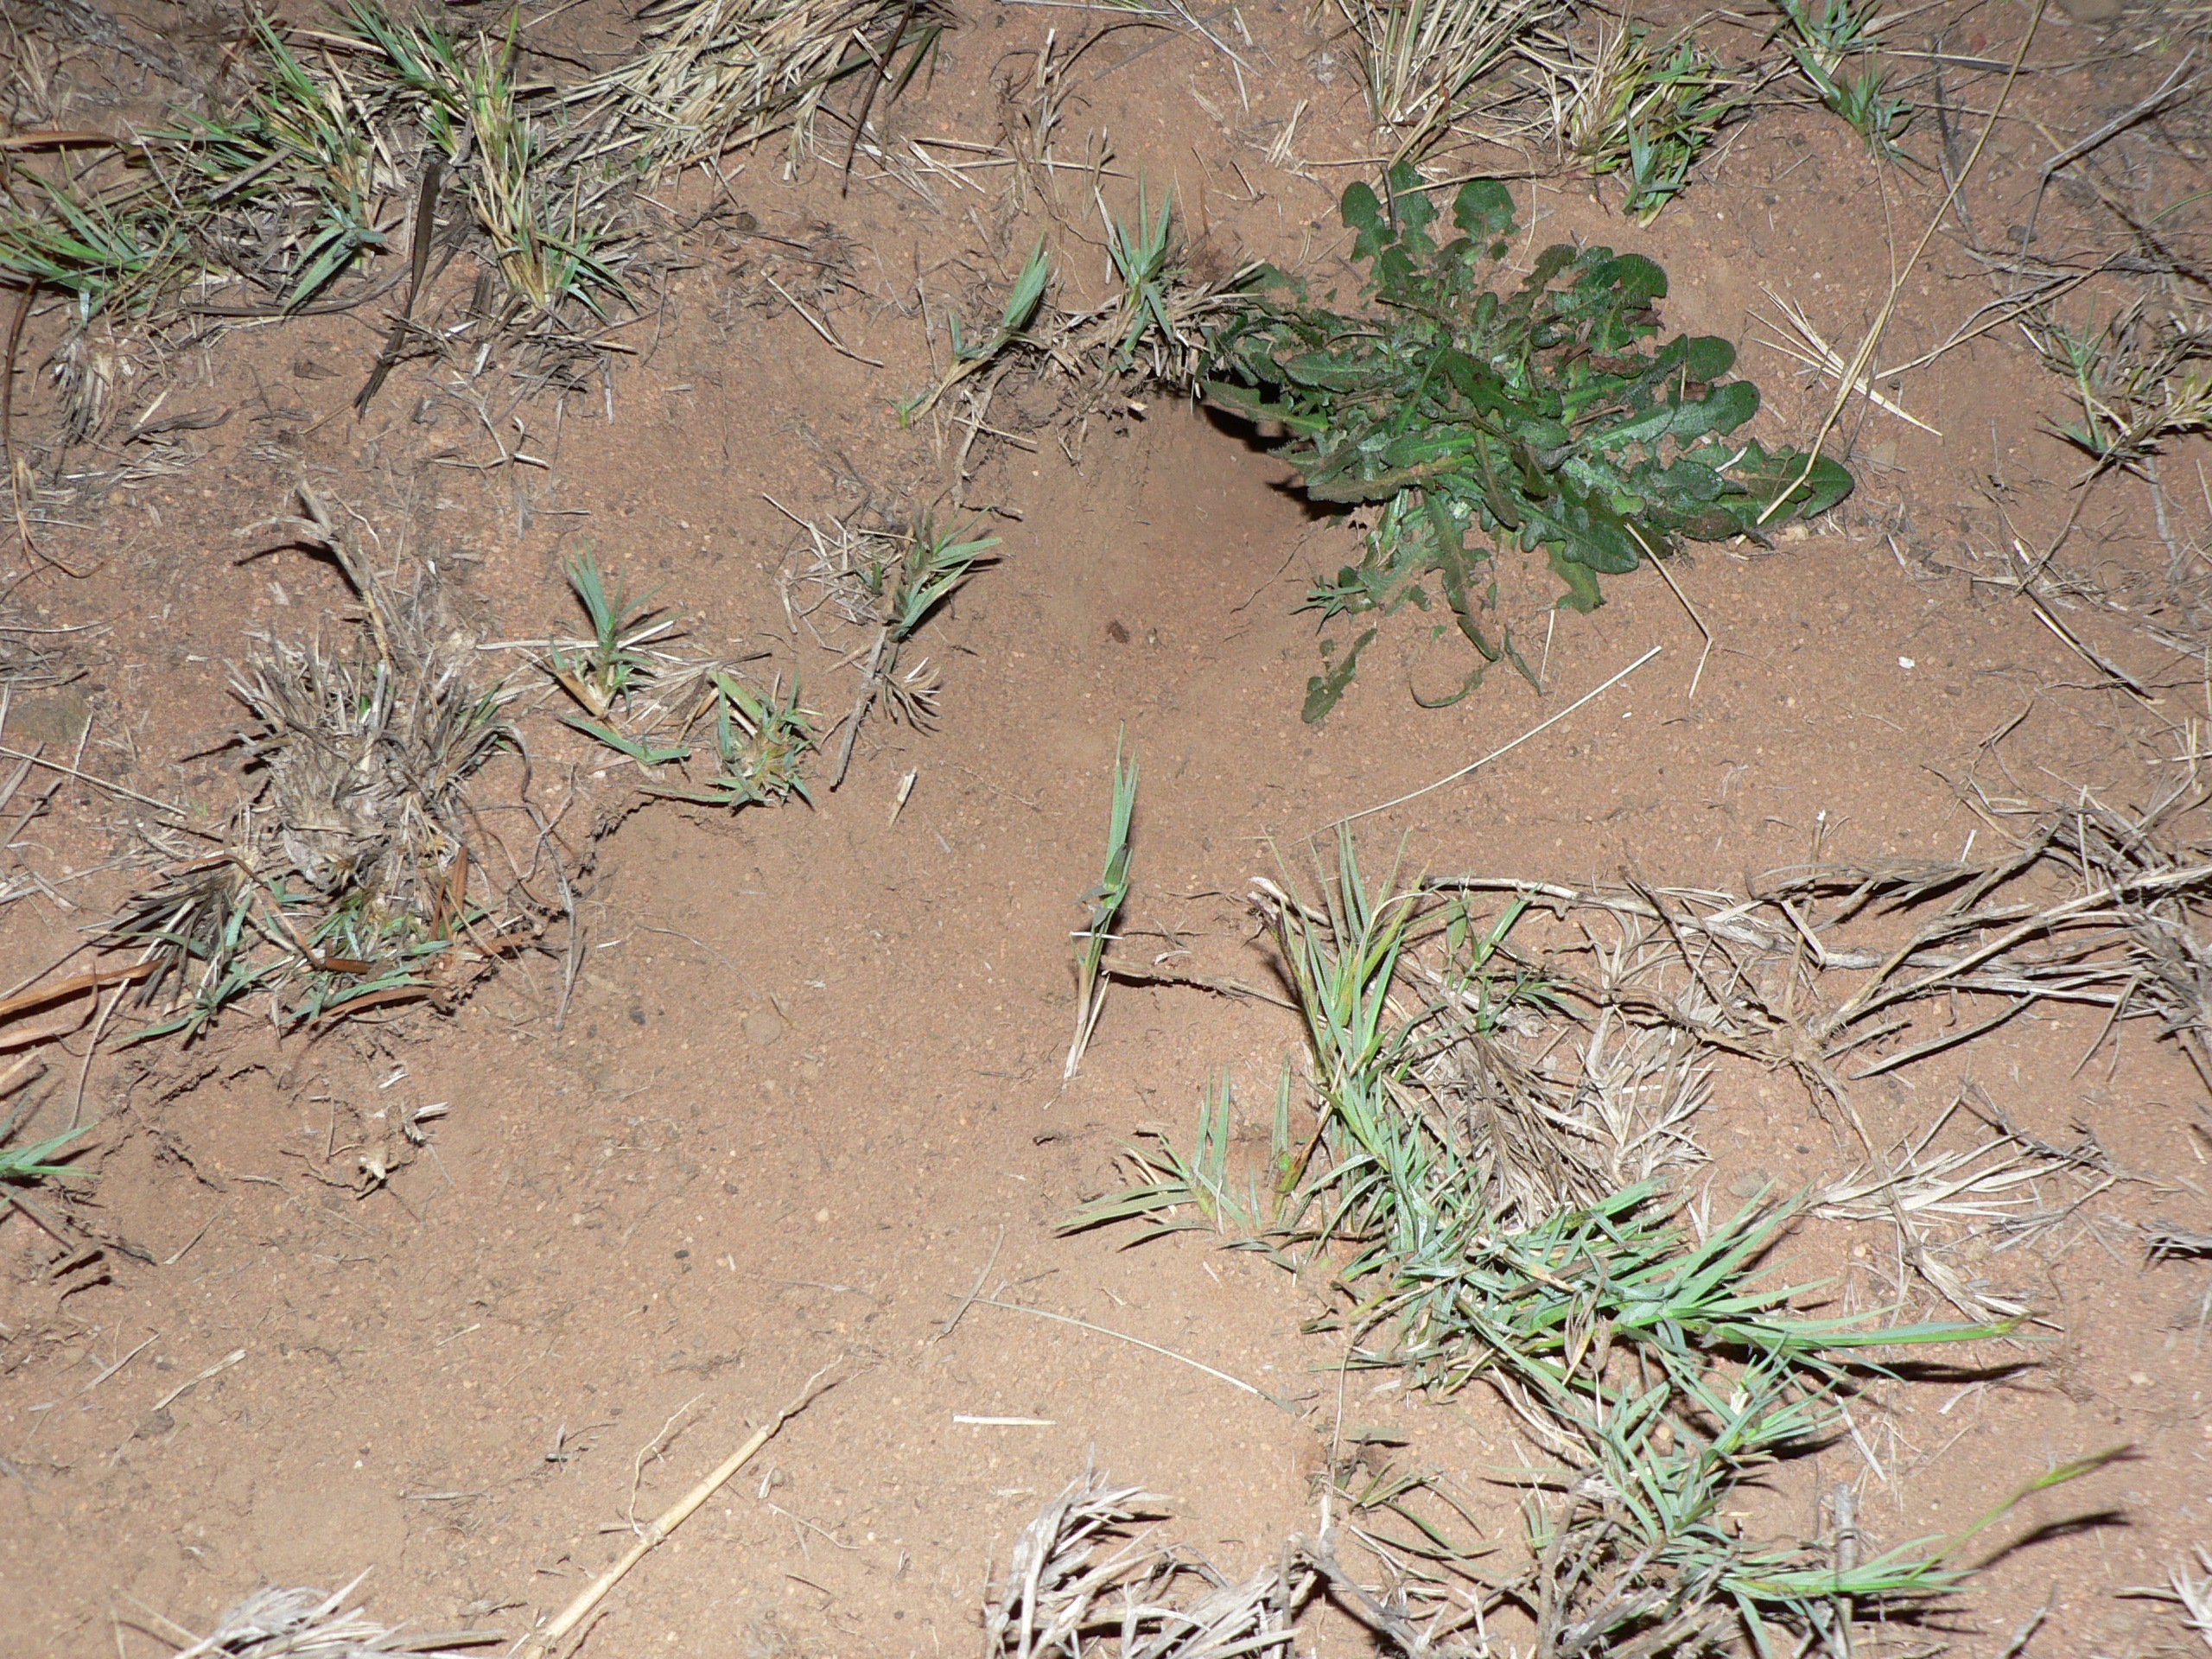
[(2132, 938), (1818, 355), (2196, 1595)]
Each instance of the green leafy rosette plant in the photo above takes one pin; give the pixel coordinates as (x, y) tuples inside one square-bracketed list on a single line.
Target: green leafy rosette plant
[(1463, 416)]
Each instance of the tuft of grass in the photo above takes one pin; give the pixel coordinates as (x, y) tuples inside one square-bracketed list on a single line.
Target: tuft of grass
[(1105, 900), (546, 203), (1420, 59), (718, 75), (1832, 44), (970, 355), (349, 879), (602, 672), (1640, 112), (1539, 414), (276, 1622), (276, 191), (2142, 379), (1076, 1587), (1657, 1361), (1202, 1181), (898, 582), (762, 743), (1158, 327)]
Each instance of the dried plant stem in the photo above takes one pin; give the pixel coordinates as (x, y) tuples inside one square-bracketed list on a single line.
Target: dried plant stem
[(871, 682), (676, 1515), (1472, 768), (1136, 1342), (8, 415), (98, 979)]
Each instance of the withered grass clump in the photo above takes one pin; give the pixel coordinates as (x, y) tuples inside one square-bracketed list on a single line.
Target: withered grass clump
[(1078, 1587), (717, 75), (352, 877), (305, 1623)]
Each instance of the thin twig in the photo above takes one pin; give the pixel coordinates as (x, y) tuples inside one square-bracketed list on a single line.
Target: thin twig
[(1474, 767), (969, 1300), (543, 1642), (1139, 1341)]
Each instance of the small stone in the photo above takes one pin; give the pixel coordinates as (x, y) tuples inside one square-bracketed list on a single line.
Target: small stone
[(56, 716)]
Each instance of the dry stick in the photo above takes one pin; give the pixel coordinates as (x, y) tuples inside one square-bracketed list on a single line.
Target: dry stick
[(1667, 576), (8, 415), (2166, 94), (544, 1641), (969, 1300), (93, 1048), (868, 104), (1863, 358), (1475, 767), (113, 789), (818, 326)]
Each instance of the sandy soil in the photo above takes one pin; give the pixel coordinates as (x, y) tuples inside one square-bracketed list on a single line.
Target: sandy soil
[(805, 1100)]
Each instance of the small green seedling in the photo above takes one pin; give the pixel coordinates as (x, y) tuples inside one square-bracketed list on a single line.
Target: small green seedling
[(1105, 900), (761, 743), (928, 568), (967, 355), (602, 672), (1142, 261), (935, 563), (1830, 35)]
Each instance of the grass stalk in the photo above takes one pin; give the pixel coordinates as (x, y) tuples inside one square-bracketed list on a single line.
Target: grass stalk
[(1105, 900)]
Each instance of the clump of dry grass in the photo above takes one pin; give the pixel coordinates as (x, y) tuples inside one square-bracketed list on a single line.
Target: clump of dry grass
[(1427, 1011), (2141, 379), (1421, 58), (305, 1623), (716, 74), (1078, 1587), (353, 875)]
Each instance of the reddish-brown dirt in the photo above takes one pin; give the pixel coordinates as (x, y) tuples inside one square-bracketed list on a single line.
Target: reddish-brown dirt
[(805, 1099)]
